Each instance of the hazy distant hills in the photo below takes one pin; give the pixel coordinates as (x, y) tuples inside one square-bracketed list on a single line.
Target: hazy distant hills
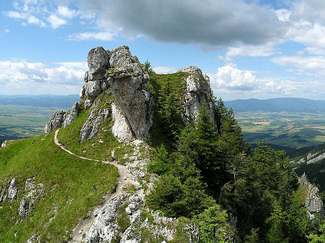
[(277, 105), (55, 101)]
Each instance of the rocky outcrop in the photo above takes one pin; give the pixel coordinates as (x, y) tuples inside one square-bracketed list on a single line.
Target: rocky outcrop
[(55, 122), (93, 123), (313, 202), (71, 115), (198, 93), (12, 190), (129, 85), (123, 74), (95, 81), (33, 193), (121, 129), (28, 196), (127, 219)]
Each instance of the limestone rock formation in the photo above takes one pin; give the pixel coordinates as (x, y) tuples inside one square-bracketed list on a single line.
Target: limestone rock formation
[(93, 124), (12, 190), (198, 93), (28, 196), (55, 122), (129, 85), (313, 202), (136, 218), (32, 194), (121, 129), (132, 111), (71, 115), (95, 81)]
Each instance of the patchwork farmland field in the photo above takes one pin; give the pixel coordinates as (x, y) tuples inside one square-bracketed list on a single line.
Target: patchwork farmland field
[(285, 130), (23, 121)]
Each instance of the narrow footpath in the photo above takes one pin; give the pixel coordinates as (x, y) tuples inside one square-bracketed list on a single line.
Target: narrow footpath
[(124, 179)]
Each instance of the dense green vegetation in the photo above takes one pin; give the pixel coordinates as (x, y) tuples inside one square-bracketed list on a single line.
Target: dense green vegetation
[(211, 175), (71, 189)]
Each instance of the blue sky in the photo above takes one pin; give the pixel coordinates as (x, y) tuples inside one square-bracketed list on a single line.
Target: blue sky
[(249, 48)]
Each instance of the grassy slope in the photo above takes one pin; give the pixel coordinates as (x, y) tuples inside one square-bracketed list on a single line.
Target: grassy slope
[(54, 217)]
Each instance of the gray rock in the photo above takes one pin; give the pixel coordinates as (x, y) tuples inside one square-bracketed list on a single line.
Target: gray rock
[(12, 190), (133, 96), (33, 193), (34, 238), (71, 115), (313, 202), (93, 89), (198, 93), (3, 195), (105, 226), (4, 144), (98, 62), (119, 55), (121, 129), (55, 122), (93, 124), (95, 81)]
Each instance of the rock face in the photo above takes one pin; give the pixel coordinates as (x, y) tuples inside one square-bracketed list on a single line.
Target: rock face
[(71, 115), (33, 193), (55, 122), (313, 202), (28, 196), (198, 93), (129, 85), (125, 219), (93, 124), (95, 81), (121, 129), (132, 111)]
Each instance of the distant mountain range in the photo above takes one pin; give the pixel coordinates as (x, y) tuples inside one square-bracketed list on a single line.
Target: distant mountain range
[(277, 105), (52, 101)]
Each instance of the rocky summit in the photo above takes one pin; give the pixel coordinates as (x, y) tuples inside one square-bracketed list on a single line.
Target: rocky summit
[(132, 103)]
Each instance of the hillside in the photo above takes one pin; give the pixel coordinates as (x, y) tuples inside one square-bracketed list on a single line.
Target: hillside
[(146, 157)]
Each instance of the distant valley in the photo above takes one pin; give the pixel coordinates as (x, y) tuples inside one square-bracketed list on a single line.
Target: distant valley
[(292, 124), (25, 116)]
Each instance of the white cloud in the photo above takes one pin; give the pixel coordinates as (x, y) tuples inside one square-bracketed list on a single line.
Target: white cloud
[(65, 12), (232, 83), (104, 36), (251, 50), (55, 21), (301, 62), (231, 78), (21, 77), (15, 14)]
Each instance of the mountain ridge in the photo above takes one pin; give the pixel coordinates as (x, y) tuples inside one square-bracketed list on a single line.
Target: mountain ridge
[(277, 105)]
